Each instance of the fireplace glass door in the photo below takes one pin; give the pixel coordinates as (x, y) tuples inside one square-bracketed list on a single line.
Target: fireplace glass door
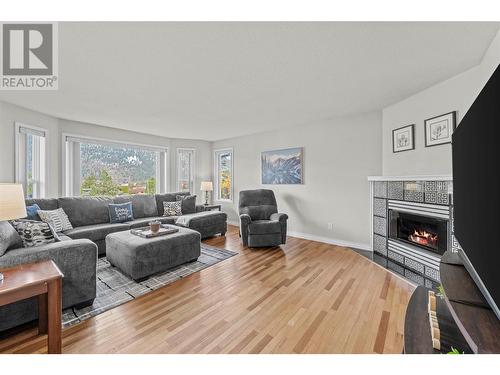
[(422, 231)]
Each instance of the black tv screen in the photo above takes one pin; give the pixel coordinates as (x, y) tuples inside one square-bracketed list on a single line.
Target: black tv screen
[(476, 189)]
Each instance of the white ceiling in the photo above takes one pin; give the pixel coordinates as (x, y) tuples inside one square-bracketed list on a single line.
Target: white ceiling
[(219, 80)]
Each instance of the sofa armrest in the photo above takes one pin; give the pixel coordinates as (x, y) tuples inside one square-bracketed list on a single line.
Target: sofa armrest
[(245, 220), (77, 260), (279, 217), (200, 208)]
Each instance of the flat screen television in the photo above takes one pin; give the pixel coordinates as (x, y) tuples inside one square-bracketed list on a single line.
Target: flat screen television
[(476, 190)]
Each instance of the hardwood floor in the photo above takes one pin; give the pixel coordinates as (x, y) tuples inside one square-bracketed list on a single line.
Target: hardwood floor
[(305, 297)]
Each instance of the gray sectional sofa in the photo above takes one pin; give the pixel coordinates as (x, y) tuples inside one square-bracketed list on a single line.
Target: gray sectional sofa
[(76, 254)]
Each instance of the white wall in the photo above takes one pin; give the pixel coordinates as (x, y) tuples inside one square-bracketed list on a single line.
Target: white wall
[(338, 156), (10, 114), (56, 127), (455, 94)]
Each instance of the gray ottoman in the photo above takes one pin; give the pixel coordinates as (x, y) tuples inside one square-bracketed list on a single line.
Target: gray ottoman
[(140, 257)]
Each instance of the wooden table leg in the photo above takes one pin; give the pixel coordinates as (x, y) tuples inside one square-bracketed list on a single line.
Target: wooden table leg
[(42, 314), (54, 303)]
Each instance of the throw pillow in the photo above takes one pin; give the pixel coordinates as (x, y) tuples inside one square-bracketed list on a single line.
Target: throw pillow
[(34, 233), (33, 212), (188, 205), (56, 218), (9, 238), (172, 208), (121, 212)]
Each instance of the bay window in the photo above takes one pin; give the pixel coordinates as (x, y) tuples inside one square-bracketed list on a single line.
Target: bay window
[(223, 174), (100, 167), (31, 160), (185, 169)]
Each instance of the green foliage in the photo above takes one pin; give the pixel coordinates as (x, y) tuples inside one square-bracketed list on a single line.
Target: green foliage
[(440, 292), (151, 186), (103, 185), (225, 185), (454, 351)]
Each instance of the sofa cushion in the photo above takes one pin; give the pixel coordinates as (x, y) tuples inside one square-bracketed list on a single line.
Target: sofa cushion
[(142, 205), (63, 237), (57, 219), (34, 233), (43, 203), (169, 197), (95, 232), (120, 212), (201, 218), (188, 203), (9, 238), (264, 227), (144, 222), (83, 211)]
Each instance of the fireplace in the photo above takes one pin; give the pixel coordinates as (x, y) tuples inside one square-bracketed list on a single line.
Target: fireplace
[(423, 231)]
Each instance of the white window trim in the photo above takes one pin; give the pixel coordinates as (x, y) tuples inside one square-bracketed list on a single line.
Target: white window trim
[(69, 177), (216, 175), (193, 167), (20, 170)]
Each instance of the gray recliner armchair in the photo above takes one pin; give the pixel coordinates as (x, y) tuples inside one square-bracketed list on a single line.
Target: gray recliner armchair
[(260, 223)]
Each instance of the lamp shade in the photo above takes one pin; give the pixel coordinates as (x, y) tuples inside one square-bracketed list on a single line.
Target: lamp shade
[(207, 186), (12, 202)]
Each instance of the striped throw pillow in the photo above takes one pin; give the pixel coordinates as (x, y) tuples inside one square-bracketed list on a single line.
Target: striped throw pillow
[(57, 219)]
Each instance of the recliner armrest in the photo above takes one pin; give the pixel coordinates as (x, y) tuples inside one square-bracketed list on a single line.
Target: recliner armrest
[(245, 219), (279, 217)]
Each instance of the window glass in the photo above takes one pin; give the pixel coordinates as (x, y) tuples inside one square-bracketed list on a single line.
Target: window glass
[(113, 170)]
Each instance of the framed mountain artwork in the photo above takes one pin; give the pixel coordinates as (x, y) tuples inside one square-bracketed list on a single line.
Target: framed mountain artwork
[(282, 167)]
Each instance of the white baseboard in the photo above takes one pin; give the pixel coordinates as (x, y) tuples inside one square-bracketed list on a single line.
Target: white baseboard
[(328, 240), (332, 241)]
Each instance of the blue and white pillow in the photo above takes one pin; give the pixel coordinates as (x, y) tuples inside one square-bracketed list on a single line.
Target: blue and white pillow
[(32, 212), (119, 213)]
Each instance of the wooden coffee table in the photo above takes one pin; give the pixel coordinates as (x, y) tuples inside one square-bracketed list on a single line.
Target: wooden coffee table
[(41, 279)]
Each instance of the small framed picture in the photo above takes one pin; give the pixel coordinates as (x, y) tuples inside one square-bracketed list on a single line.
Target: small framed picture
[(403, 139), (438, 130)]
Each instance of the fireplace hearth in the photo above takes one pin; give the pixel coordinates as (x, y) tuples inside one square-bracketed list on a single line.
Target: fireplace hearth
[(425, 232)]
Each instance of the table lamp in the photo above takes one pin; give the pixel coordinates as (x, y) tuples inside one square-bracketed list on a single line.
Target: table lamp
[(206, 186), (11, 203)]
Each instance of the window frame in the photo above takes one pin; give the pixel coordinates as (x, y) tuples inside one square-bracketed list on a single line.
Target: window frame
[(41, 164), (71, 178), (192, 169), (217, 154)]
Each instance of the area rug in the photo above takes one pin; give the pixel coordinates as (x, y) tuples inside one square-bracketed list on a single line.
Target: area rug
[(114, 288)]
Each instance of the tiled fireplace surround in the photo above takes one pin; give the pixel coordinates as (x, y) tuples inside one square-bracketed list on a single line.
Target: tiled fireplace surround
[(427, 194)]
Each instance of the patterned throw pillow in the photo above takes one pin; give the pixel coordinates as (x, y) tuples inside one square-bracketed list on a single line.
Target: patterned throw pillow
[(188, 205), (119, 213), (172, 208), (56, 218), (34, 233)]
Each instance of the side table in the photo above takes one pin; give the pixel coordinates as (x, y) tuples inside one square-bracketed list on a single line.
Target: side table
[(42, 279), (211, 207)]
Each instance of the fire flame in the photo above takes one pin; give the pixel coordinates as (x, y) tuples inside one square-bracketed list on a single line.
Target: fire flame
[(423, 237)]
